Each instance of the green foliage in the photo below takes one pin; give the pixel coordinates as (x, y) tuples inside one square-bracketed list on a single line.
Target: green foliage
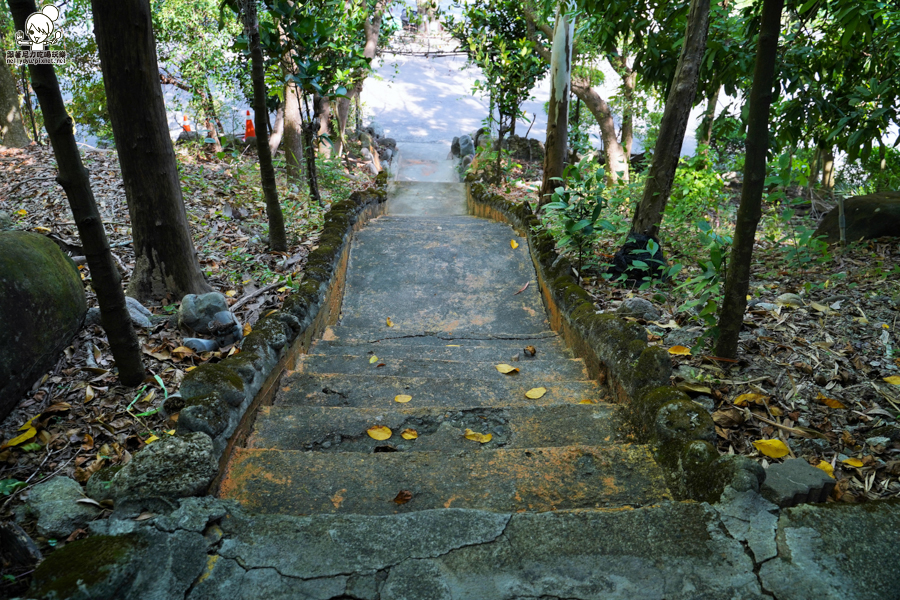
[(707, 286), (8, 486)]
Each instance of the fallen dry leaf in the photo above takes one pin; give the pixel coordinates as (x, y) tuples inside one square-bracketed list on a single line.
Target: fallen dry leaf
[(745, 399), (852, 462), (587, 401), (506, 369), (893, 379), (530, 350), (29, 433), (728, 417), (772, 448), (513, 244), (826, 466), (88, 394), (247, 330), (483, 438), (373, 360), (379, 432), (830, 402), (403, 496), (409, 434), (524, 287), (680, 351), (389, 322), (535, 393), (402, 398)]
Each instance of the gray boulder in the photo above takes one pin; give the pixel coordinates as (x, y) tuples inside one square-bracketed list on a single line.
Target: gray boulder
[(140, 316), (683, 337), (868, 217), (42, 307), (55, 504), (466, 146), (209, 314), (388, 143), (454, 147), (639, 308), (376, 129), (174, 467), (6, 223)]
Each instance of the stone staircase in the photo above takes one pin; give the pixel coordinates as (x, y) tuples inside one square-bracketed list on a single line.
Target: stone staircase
[(454, 291)]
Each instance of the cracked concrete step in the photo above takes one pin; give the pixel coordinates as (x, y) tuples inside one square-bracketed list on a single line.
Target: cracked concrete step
[(329, 429), (382, 334), (376, 391), (511, 480), (447, 351), (540, 372)]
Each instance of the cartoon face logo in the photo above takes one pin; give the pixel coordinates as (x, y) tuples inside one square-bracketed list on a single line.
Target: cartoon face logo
[(39, 27)]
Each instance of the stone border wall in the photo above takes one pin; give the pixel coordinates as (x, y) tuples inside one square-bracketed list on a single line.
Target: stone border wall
[(617, 354), (217, 403)]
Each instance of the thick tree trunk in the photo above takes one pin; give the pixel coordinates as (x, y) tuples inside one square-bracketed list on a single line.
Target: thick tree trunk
[(556, 146), (12, 127), (277, 130), (731, 314), (277, 236), (616, 157), (293, 133), (165, 259), (74, 179), (667, 152)]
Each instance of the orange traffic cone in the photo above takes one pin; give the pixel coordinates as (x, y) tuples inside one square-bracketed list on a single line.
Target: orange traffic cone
[(186, 127), (249, 130)]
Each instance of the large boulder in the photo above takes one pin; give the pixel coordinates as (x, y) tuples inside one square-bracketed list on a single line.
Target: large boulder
[(56, 505), (42, 307), (868, 217)]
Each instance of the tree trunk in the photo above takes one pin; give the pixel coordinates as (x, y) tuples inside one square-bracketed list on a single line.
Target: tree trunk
[(165, 259), (322, 108), (277, 236), (734, 303), (277, 130), (12, 127), (616, 157), (815, 168), (74, 179), (704, 131), (309, 154), (629, 82), (828, 169), (558, 114), (293, 133), (667, 152)]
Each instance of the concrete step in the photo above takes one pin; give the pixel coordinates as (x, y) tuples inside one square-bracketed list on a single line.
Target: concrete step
[(327, 429), (382, 334), (427, 198), (375, 391), (510, 480), (539, 372), (448, 350), (403, 222)]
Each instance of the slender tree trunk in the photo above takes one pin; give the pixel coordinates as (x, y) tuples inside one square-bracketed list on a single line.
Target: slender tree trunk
[(30, 108), (731, 314), (277, 130), (882, 164), (558, 114), (828, 169), (293, 133), (616, 157), (165, 259), (277, 236), (815, 167), (629, 82), (322, 107), (705, 129), (74, 179), (12, 127), (667, 152), (309, 153), (213, 124)]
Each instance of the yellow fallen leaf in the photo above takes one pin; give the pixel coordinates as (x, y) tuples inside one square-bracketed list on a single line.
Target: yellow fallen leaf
[(43, 229), (402, 398), (231, 293), (680, 351), (409, 434), (28, 422), (514, 244), (688, 386), (171, 432), (151, 439), (21, 212), (283, 288), (535, 393), (189, 369), (379, 432), (894, 379), (772, 448), (389, 322), (820, 307), (30, 433), (587, 401), (776, 412), (885, 326), (453, 346), (826, 466), (483, 438), (88, 394), (831, 402), (745, 399), (373, 360), (852, 462), (247, 329), (507, 369)]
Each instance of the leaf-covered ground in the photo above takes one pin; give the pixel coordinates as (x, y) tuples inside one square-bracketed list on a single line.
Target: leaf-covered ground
[(815, 375), (82, 418)]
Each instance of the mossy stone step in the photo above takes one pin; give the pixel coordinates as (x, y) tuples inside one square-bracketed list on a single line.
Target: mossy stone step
[(328, 429), (509, 480), (450, 350), (539, 372), (376, 391)]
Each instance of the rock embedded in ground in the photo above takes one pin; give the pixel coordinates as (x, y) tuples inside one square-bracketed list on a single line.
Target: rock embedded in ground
[(640, 308), (466, 146), (43, 296), (55, 504), (867, 217), (794, 482), (140, 316), (209, 314)]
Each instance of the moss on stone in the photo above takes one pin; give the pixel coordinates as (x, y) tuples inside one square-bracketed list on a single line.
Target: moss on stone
[(99, 484), (209, 414), (643, 409), (319, 274), (210, 378), (83, 563), (698, 474)]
